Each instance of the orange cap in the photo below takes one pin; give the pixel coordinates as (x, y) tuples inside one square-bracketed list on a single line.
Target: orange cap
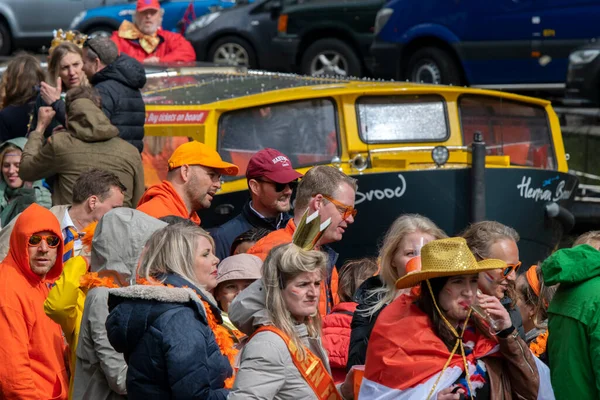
[(197, 153)]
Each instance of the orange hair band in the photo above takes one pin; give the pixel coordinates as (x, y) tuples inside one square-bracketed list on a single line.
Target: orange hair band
[(533, 280)]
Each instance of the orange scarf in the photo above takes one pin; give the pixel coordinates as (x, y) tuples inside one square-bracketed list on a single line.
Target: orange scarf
[(311, 369), (222, 337), (149, 43), (538, 345)]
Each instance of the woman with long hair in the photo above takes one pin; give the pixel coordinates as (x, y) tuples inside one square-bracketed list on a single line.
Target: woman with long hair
[(491, 239), (168, 326), (65, 71), (533, 299), (284, 358), (402, 242), (18, 91), (15, 194), (433, 349)]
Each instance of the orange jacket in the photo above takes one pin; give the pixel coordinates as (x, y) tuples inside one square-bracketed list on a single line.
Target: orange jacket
[(172, 48), (336, 338), (329, 297), (32, 350), (162, 200)]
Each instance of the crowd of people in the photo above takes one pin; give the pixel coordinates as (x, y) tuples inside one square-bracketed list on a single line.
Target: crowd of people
[(111, 290)]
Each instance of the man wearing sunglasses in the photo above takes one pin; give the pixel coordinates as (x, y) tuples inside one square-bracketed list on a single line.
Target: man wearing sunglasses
[(194, 178), (330, 192), (31, 349), (271, 181)]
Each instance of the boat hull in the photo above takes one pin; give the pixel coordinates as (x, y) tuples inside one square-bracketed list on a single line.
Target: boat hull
[(516, 197)]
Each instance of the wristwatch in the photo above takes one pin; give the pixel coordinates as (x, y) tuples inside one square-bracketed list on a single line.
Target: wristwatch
[(511, 331)]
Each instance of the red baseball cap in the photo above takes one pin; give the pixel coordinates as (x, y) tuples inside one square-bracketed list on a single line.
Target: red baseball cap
[(273, 165), (143, 5)]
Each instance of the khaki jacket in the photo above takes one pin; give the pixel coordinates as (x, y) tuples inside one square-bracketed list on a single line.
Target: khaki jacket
[(90, 142)]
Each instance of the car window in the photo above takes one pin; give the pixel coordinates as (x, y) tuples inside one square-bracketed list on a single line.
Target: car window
[(384, 119), (305, 131), (519, 130)]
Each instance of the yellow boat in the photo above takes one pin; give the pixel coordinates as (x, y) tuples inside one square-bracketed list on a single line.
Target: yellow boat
[(410, 146)]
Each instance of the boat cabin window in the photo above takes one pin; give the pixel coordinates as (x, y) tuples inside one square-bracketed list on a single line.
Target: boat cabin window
[(510, 128), (385, 119), (305, 131)]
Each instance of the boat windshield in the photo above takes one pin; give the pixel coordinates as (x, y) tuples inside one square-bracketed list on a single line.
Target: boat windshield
[(396, 119), (519, 130), (305, 131)]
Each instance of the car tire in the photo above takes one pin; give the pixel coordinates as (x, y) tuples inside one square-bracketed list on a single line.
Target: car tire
[(5, 40), (232, 50), (340, 59), (433, 65), (101, 31)]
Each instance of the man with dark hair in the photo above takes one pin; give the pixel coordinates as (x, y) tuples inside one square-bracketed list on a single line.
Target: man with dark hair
[(118, 80), (271, 181), (88, 141), (94, 194)]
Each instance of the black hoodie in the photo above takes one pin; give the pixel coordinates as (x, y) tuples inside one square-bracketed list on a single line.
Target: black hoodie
[(119, 86)]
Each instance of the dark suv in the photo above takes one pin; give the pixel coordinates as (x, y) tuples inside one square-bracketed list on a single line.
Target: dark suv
[(327, 36), (583, 76)]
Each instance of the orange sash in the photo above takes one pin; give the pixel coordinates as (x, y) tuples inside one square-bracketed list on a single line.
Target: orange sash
[(311, 369)]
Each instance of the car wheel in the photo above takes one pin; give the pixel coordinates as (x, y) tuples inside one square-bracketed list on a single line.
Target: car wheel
[(330, 57), (5, 40), (433, 65), (100, 31), (232, 50)]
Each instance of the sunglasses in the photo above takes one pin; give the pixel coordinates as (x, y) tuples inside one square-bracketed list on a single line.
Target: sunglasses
[(280, 187), (51, 240), (511, 267), (346, 211)]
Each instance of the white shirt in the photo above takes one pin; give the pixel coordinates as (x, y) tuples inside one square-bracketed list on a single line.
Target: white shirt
[(66, 223)]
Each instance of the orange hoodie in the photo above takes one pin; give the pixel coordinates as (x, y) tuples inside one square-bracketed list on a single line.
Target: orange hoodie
[(262, 248), (32, 362), (162, 200)]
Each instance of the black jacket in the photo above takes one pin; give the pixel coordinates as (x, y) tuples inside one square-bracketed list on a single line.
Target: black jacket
[(14, 120), (246, 220), (119, 86), (362, 325), (164, 335)]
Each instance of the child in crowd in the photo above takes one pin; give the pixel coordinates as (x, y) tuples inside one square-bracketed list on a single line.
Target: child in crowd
[(336, 326), (235, 274), (243, 242)]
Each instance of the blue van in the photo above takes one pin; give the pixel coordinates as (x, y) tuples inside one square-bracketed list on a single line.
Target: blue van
[(508, 44)]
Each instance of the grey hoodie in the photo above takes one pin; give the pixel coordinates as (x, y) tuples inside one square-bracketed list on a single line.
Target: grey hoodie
[(101, 372), (266, 368)]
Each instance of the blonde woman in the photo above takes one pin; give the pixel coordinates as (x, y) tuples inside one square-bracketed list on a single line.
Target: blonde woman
[(65, 71), (168, 326), (401, 243), (491, 239), (284, 358)]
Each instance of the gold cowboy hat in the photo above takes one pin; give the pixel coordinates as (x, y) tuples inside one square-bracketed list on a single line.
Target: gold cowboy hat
[(447, 257)]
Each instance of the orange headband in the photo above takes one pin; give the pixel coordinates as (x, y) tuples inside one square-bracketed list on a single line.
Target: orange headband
[(533, 280)]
